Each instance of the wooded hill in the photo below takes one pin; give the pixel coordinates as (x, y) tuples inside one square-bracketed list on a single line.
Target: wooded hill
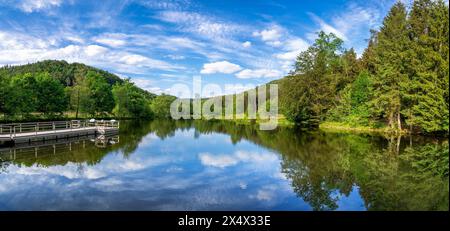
[(54, 89)]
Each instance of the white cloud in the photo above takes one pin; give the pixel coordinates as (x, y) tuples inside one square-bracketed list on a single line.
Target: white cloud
[(93, 50), (111, 42), (166, 5), (113, 39), (30, 6), (293, 48), (16, 49), (148, 85), (259, 73), (237, 88), (272, 34), (247, 44), (133, 59), (16, 41), (327, 28), (75, 39), (264, 195), (199, 24), (176, 57), (220, 67), (222, 160)]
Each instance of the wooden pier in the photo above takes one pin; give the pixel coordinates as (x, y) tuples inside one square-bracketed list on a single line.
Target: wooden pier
[(28, 132)]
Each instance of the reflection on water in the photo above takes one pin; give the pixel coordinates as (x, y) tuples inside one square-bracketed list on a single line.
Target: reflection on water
[(198, 165)]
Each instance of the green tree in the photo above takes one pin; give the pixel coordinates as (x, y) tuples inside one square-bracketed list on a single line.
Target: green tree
[(160, 106), (4, 85), (129, 102), (78, 94), (99, 98), (309, 92), (427, 95), (50, 95), (21, 96), (390, 74)]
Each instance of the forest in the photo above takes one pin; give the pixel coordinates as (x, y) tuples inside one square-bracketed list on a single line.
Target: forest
[(56, 89), (399, 83)]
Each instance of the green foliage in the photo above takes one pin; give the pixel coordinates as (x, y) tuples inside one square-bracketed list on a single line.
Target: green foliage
[(401, 78), (308, 94), (100, 98), (352, 106), (78, 94), (21, 95), (427, 89), (390, 72), (429, 159), (64, 72), (51, 87), (160, 106), (50, 95), (130, 102)]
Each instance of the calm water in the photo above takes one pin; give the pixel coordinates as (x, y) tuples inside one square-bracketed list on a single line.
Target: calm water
[(185, 165)]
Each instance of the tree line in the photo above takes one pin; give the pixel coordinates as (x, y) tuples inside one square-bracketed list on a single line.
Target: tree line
[(401, 80), (56, 89)]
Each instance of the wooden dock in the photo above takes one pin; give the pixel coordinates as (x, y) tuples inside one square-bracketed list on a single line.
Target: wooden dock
[(28, 132)]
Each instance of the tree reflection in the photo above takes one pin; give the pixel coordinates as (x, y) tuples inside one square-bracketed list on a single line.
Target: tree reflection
[(391, 173)]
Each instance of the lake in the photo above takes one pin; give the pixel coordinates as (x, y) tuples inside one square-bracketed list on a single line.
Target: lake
[(214, 165)]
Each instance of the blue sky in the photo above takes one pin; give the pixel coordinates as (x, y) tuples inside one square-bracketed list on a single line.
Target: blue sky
[(161, 43)]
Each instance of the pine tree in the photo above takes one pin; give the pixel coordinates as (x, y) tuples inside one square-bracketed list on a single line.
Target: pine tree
[(390, 74), (428, 66), (368, 57)]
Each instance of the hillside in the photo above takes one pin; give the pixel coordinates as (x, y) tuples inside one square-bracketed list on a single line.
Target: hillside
[(53, 89), (64, 72)]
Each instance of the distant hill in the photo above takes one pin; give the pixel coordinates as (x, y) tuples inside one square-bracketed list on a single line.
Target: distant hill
[(63, 71)]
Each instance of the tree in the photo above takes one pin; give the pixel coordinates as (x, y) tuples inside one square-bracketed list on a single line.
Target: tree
[(78, 94), (21, 96), (309, 92), (129, 102), (368, 57), (350, 68), (160, 106), (50, 95), (99, 98), (390, 73), (4, 85), (427, 95)]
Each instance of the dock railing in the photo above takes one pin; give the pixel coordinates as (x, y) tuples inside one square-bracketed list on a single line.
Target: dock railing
[(13, 129)]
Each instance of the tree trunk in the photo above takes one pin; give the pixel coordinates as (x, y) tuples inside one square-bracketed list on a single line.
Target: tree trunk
[(391, 120), (412, 121), (399, 121)]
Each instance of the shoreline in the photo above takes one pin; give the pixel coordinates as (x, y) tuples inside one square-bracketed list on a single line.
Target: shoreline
[(327, 126)]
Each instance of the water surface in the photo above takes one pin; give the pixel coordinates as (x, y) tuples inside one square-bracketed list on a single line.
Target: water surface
[(198, 165)]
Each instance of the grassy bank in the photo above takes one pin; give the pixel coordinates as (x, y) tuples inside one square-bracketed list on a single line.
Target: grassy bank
[(343, 127)]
